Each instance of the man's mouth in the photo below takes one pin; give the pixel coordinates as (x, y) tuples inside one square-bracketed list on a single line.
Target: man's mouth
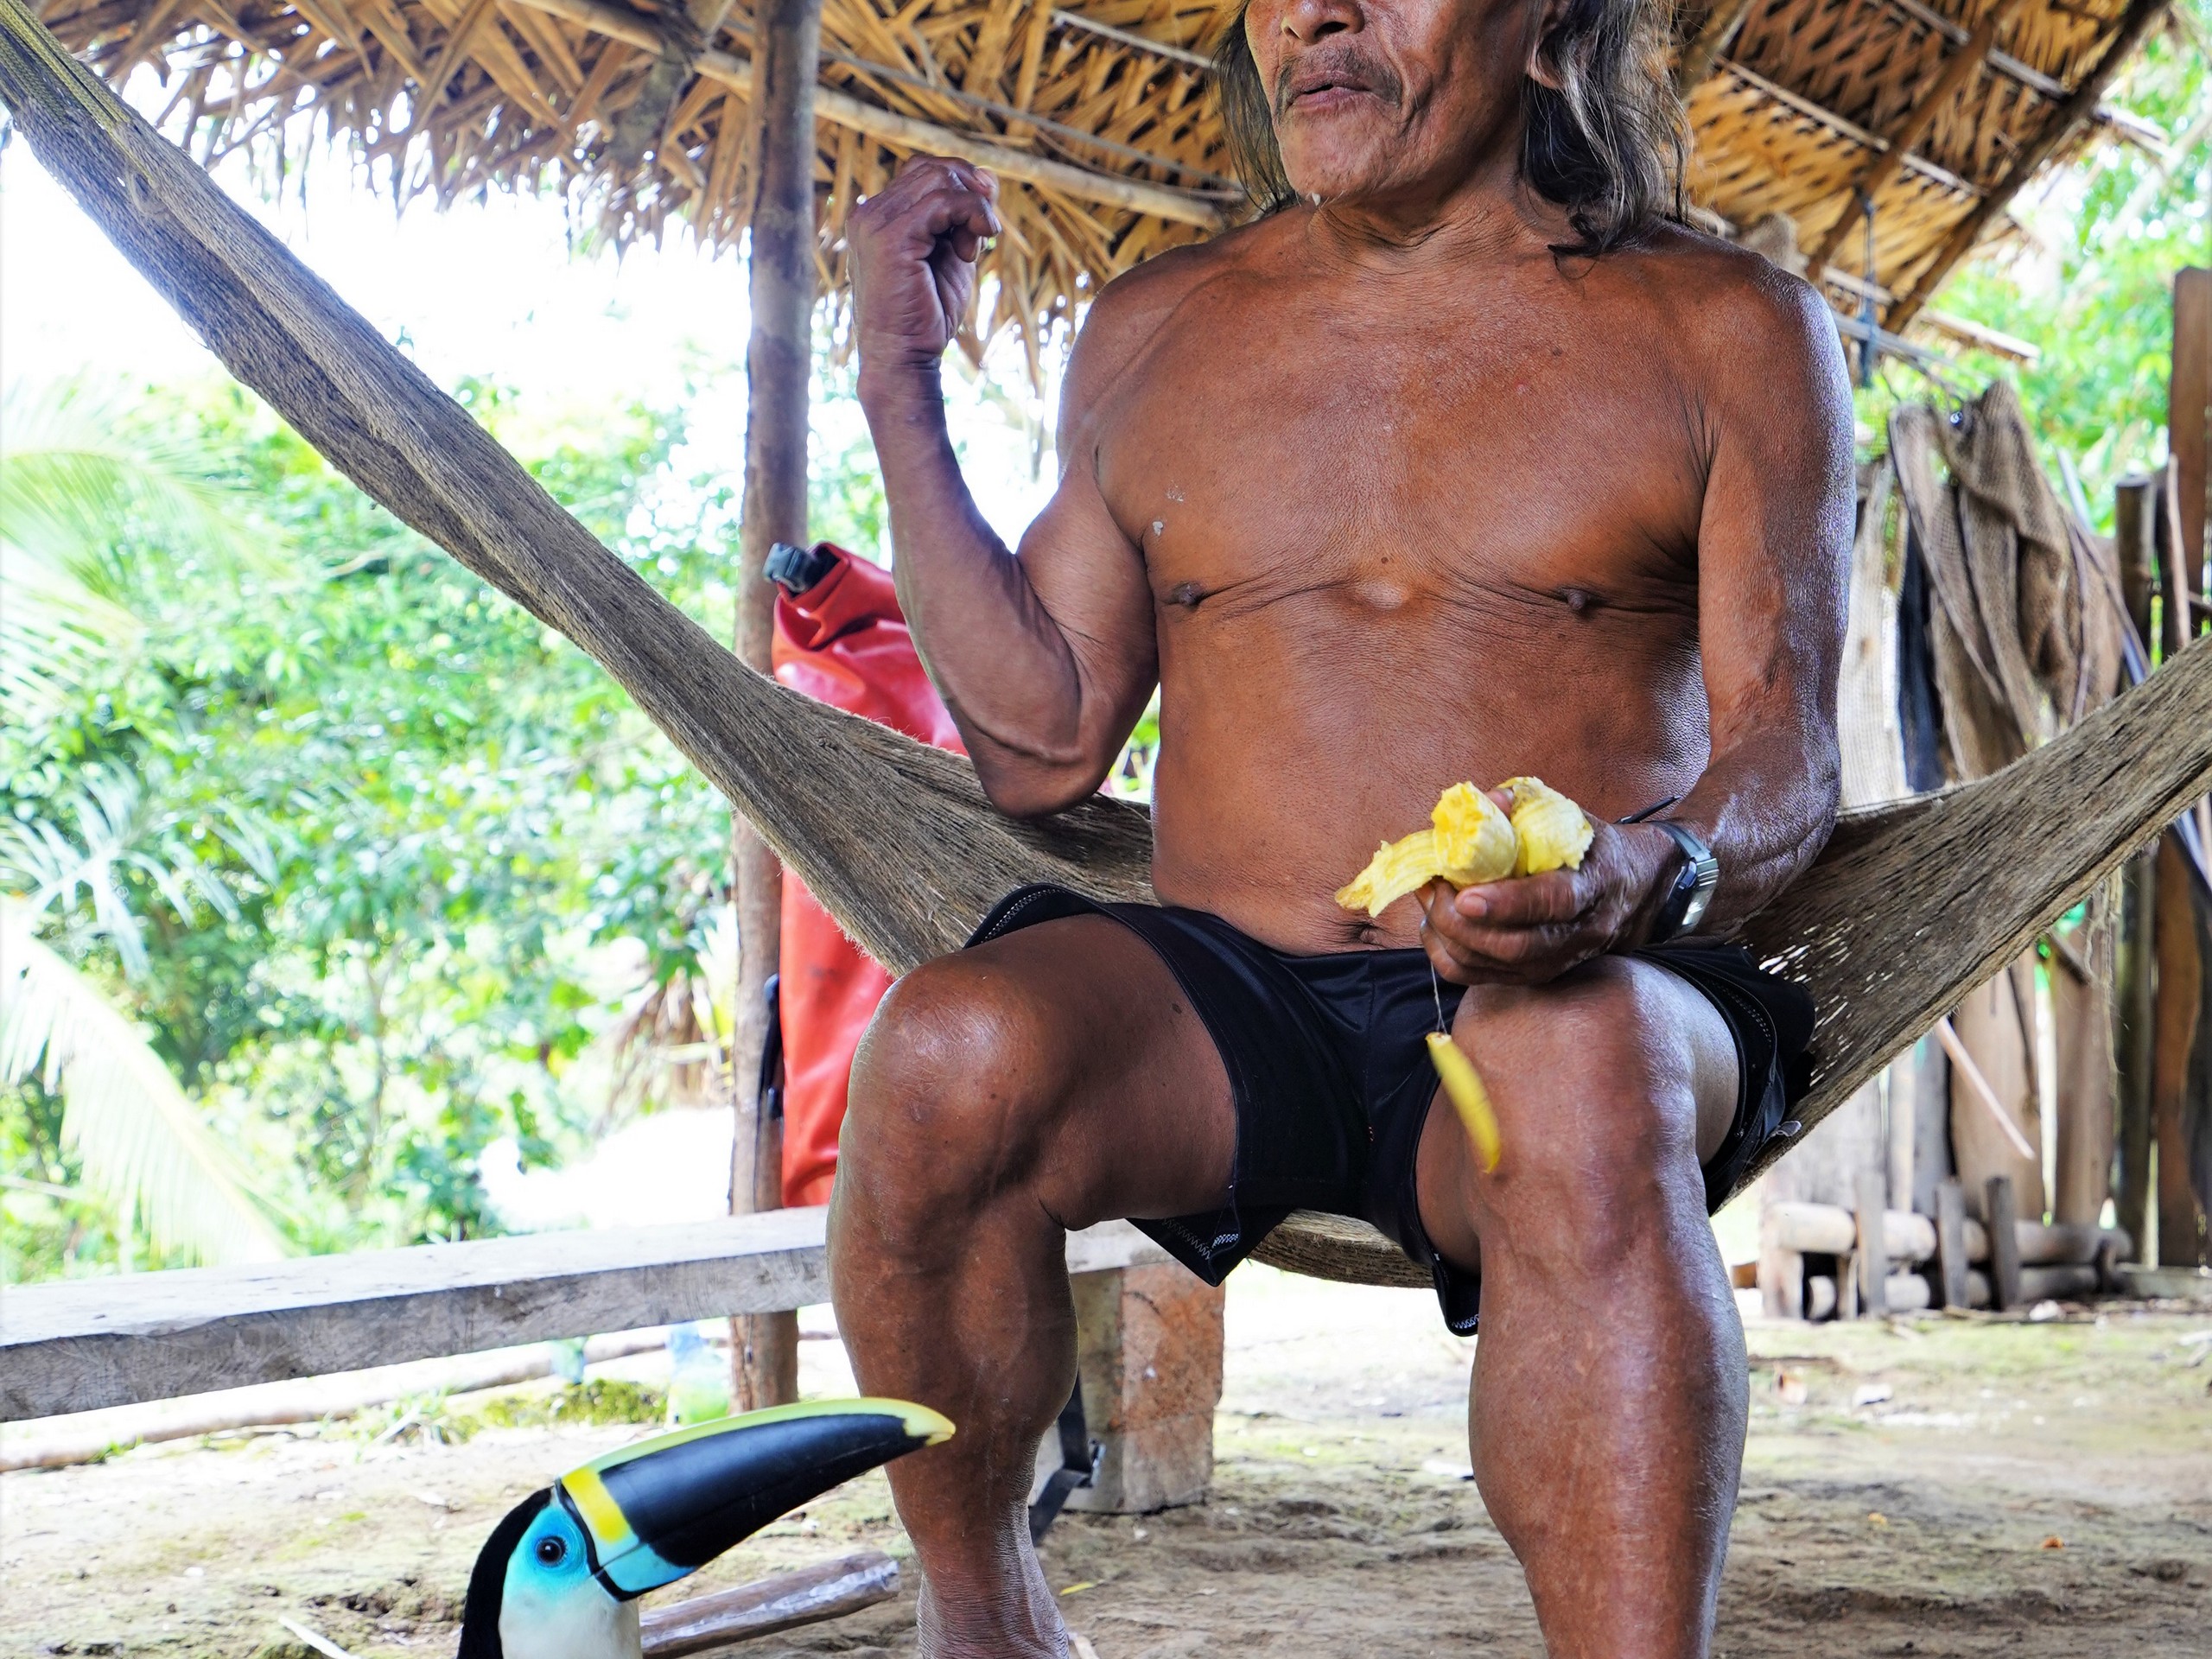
[(1320, 87)]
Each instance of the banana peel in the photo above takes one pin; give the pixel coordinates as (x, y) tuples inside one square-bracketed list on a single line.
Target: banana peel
[(1470, 841), (1463, 1087)]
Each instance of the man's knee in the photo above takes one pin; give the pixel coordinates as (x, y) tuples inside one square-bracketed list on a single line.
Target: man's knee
[(1595, 1084), (949, 1091)]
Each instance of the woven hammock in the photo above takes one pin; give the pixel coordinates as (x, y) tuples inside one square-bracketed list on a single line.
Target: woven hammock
[(1909, 907)]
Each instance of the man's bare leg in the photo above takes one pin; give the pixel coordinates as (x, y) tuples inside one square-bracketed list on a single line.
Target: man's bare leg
[(1050, 1079), (1607, 1420)]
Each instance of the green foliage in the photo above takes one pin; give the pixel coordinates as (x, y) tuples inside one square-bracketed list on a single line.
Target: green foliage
[(377, 835), (601, 1400), (2092, 286)]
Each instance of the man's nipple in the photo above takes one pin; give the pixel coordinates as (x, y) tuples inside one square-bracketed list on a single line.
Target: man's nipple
[(1186, 594), (1580, 600)]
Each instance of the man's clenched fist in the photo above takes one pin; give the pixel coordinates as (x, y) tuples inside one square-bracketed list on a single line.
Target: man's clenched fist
[(913, 248)]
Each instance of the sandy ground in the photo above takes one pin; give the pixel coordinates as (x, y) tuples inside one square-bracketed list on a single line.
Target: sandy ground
[(2027, 1490)]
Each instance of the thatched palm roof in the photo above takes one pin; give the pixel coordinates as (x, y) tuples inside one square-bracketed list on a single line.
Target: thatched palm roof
[(1097, 113)]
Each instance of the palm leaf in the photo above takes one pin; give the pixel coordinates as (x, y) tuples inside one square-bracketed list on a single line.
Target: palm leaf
[(109, 525), (141, 1141)]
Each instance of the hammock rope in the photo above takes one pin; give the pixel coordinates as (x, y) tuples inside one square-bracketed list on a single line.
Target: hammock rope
[(1909, 907)]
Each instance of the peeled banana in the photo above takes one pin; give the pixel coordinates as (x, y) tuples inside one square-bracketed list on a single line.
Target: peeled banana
[(1469, 841), (1463, 1087), (1552, 831)]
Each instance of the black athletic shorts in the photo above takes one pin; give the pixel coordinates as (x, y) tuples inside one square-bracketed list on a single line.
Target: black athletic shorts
[(1332, 1081)]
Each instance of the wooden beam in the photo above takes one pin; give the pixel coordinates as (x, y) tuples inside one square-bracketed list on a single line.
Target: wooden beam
[(1181, 55), (1716, 35), (1933, 171), (2135, 23), (1962, 64), (80, 1344), (910, 132)]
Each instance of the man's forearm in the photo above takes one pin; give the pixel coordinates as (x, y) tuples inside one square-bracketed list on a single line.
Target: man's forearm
[(997, 657), (1765, 807)]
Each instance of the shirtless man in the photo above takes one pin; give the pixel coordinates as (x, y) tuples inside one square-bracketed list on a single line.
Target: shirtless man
[(1465, 461)]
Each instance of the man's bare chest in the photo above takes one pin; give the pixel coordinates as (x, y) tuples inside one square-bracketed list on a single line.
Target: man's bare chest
[(1383, 468)]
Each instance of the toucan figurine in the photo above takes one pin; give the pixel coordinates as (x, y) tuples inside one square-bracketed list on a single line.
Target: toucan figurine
[(560, 1575)]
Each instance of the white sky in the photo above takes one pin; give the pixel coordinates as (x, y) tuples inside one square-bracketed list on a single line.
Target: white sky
[(489, 288)]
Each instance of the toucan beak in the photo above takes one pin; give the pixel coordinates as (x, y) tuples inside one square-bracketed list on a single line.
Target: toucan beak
[(659, 1509)]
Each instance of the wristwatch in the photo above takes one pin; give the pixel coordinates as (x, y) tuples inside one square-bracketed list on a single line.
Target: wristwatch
[(1694, 885)]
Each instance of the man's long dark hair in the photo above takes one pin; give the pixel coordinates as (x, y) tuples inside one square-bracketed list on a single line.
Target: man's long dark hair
[(1608, 144)]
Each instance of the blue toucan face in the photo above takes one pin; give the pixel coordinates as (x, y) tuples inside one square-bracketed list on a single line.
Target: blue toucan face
[(557, 1578)]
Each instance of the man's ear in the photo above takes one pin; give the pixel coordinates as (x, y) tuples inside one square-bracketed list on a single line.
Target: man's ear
[(1540, 70)]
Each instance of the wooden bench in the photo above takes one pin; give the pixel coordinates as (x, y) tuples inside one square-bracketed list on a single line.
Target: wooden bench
[(89, 1343)]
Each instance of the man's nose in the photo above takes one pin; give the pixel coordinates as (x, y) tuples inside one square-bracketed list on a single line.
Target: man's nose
[(1311, 20)]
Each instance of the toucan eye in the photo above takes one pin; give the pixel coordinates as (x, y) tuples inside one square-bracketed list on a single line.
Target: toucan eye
[(552, 1551)]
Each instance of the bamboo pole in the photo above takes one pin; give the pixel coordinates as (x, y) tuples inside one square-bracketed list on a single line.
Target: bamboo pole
[(764, 1357)]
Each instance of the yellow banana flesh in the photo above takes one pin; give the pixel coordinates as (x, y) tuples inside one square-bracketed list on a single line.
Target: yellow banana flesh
[(1552, 831), (1470, 840), (1463, 1087)]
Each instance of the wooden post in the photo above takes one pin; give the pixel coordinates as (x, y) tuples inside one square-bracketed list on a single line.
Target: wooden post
[(2001, 1213), (1931, 1110), (1873, 1251), (1900, 1092), (2165, 539), (779, 359), (1149, 1343), (2080, 994), (2138, 1001), (2177, 1008), (1951, 1242), (2188, 407), (2135, 542)]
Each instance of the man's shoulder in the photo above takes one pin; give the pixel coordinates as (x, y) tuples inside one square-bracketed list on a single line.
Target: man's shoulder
[(1131, 310), (1719, 295)]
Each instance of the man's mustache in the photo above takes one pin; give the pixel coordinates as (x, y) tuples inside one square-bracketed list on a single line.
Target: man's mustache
[(1344, 65)]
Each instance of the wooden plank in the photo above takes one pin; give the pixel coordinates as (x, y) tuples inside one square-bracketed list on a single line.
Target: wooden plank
[(2001, 1216), (827, 1590), (1951, 1242), (87, 1344), (2188, 404)]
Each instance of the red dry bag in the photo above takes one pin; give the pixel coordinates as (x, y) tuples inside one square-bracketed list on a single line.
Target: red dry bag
[(842, 639)]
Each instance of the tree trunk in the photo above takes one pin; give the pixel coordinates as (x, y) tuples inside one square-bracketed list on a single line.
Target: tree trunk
[(764, 1346)]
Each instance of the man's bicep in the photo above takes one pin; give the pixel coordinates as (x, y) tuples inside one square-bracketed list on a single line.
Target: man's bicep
[(1775, 535), (1090, 579)]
